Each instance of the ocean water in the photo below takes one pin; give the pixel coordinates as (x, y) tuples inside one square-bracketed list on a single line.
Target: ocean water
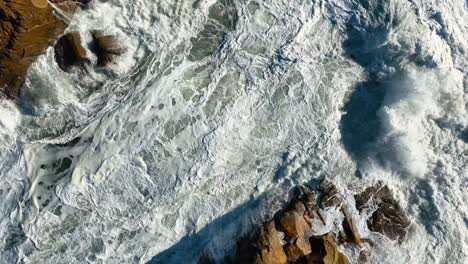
[(218, 109)]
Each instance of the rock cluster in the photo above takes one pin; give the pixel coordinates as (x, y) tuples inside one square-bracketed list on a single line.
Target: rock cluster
[(293, 235), (290, 237), (69, 50), (27, 29), (389, 218)]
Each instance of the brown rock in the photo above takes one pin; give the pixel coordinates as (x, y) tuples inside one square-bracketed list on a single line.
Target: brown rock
[(351, 231), (330, 197), (389, 219), (310, 200), (294, 222), (70, 52), (263, 248), (325, 251), (27, 29), (333, 255), (40, 3), (106, 47), (364, 256), (299, 244)]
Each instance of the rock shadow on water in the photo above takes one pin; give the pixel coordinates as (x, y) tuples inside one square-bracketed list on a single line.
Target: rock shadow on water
[(366, 45), (219, 237), (223, 230), (360, 124)]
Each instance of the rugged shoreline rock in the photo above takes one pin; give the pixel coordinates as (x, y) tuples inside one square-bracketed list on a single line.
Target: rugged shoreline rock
[(69, 51), (27, 29), (106, 47), (389, 218), (296, 234), (293, 237)]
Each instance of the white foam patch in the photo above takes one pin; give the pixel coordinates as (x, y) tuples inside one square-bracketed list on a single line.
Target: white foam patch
[(407, 104), (9, 118)]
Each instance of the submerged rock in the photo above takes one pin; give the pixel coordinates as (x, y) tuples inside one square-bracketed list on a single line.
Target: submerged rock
[(331, 197), (27, 29), (70, 52), (389, 218), (106, 47)]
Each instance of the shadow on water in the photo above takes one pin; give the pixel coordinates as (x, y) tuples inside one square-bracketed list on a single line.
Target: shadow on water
[(360, 125), (223, 230), (366, 44), (464, 135)]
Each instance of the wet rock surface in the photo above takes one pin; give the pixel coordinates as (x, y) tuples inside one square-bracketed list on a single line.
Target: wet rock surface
[(295, 239), (301, 233), (27, 29), (264, 247), (389, 218), (69, 51), (106, 47)]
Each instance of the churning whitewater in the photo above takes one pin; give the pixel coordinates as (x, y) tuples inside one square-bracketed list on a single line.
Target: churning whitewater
[(218, 108)]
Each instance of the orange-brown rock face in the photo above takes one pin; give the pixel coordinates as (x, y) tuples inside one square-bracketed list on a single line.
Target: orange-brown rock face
[(27, 29), (264, 247), (290, 236), (333, 255), (295, 223)]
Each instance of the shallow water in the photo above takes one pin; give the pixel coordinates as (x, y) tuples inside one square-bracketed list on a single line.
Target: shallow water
[(218, 109)]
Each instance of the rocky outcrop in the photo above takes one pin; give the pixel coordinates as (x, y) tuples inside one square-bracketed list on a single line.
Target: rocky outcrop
[(106, 47), (389, 218), (301, 233), (69, 51), (331, 197), (264, 247), (291, 236), (27, 29)]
